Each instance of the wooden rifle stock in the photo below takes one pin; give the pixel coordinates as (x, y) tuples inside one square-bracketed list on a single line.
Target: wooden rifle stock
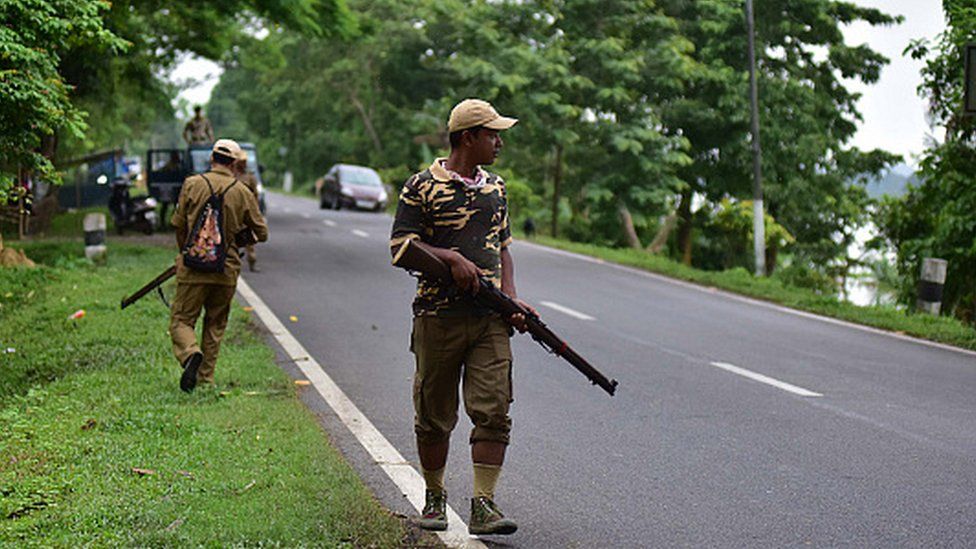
[(155, 283), (418, 260)]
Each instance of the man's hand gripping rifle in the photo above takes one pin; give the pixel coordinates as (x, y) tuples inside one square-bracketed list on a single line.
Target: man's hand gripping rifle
[(416, 259)]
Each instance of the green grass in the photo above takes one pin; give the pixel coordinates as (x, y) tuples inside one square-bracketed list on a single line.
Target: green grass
[(66, 224), (940, 329), (84, 403)]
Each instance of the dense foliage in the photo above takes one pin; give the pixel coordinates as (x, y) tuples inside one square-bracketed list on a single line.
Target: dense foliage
[(631, 111), (77, 75), (34, 95), (937, 218), (634, 112)]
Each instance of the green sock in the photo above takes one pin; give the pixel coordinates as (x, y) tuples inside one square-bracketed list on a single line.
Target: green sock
[(485, 478), (434, 479)]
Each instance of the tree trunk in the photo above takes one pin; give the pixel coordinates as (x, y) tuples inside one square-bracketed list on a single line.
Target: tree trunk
[(367, 122), (628, 225), (557, 176), (661, 238), (684, 226), (772, 251)]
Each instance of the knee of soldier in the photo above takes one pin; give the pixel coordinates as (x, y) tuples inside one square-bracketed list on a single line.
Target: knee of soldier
[(491, 420), (432, 432), (491, 434)]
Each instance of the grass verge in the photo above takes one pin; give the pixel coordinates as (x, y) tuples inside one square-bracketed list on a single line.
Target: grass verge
[(99, 447), (940, 329), (69, 224)]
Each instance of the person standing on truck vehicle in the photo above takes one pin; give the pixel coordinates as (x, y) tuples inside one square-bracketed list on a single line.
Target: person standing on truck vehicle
[(198, 130), (246, 177), (212, 292), (458, 212)]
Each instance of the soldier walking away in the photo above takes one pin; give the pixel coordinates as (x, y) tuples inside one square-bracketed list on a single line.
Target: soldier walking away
[(458, 211), (214, 214), (198, 130), (251, 182)]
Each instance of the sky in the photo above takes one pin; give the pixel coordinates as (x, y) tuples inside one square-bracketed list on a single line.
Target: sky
[(894, 114)]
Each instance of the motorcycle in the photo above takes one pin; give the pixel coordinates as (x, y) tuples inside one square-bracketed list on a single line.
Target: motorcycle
[(137, 213)]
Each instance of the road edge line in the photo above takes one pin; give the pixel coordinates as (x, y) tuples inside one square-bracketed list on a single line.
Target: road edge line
[(752, 300), (384, 454)]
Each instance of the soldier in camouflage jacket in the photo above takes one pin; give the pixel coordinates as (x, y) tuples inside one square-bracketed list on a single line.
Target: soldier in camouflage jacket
[(458, 211)]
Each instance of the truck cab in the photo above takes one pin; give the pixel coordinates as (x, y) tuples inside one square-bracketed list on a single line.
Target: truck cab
[(167, 168)]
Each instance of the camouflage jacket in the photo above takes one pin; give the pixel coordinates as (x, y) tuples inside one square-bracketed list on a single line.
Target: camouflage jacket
[(445, 212)]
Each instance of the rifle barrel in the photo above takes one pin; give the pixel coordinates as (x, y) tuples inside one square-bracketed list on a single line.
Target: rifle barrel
[(156, 282), (415, 258)]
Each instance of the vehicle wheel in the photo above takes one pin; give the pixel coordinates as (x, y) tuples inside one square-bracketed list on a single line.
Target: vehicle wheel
[(147, 228), (322, 204), (336, 203)]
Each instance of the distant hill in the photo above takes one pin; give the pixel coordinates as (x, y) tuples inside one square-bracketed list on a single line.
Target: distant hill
[(894, 182)]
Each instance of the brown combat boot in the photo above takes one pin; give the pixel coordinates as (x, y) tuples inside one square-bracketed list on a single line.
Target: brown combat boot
[(487, 519), (434, 516)]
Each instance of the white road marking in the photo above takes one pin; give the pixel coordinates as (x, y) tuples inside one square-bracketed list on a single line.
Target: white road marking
[(566, 310), (363, 234), (329, 222), (384, 455), (307, 216), (750, 300), (766, 379)]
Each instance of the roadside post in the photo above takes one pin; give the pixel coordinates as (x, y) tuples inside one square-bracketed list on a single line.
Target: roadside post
[(930, 285), (95, 249), (286, 181)]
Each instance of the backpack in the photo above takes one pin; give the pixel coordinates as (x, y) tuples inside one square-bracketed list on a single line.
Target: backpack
[(205, 249)]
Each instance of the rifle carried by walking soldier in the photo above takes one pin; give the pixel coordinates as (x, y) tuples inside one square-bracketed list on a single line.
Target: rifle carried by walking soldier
[(155, 283), (418, 260), (243, 238)]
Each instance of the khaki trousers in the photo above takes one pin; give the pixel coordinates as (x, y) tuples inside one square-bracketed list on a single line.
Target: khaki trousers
[(473, 352), (215, 300), (252, 255)]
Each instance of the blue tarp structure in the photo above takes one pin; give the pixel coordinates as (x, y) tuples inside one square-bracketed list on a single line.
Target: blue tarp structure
[(85, 189)]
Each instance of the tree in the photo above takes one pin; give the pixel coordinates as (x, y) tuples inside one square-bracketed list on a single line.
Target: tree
[(63, 60), (938, 217), (34, 96), (811, 177)]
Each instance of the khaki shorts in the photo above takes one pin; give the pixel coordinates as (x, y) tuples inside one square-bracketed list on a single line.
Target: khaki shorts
[(472, 351)]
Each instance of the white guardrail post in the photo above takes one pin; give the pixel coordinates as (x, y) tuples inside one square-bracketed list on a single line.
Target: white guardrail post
[(930, 285), (95, 249)]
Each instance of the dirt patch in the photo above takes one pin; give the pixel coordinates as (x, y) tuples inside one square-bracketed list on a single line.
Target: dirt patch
[(10, 257)]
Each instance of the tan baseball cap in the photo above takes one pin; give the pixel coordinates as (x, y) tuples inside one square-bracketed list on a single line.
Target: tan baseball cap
[(475, 112), (241, 155), (227, 147)]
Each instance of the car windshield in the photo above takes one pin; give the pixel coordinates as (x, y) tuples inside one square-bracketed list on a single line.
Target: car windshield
[(201, 160), (361, 176)]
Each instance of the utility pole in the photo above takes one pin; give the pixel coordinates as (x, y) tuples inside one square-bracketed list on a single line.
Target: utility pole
[(758, 215)]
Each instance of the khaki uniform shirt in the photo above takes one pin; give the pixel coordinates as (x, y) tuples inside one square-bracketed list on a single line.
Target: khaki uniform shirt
[(199, 130), (240, 212), (440, 209), (251, 182)]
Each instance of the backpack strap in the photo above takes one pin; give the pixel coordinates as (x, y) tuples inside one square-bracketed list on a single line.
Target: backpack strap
[(204, 176), (222, 193)]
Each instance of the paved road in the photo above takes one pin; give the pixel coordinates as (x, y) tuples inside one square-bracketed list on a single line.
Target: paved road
[(687, 453)]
